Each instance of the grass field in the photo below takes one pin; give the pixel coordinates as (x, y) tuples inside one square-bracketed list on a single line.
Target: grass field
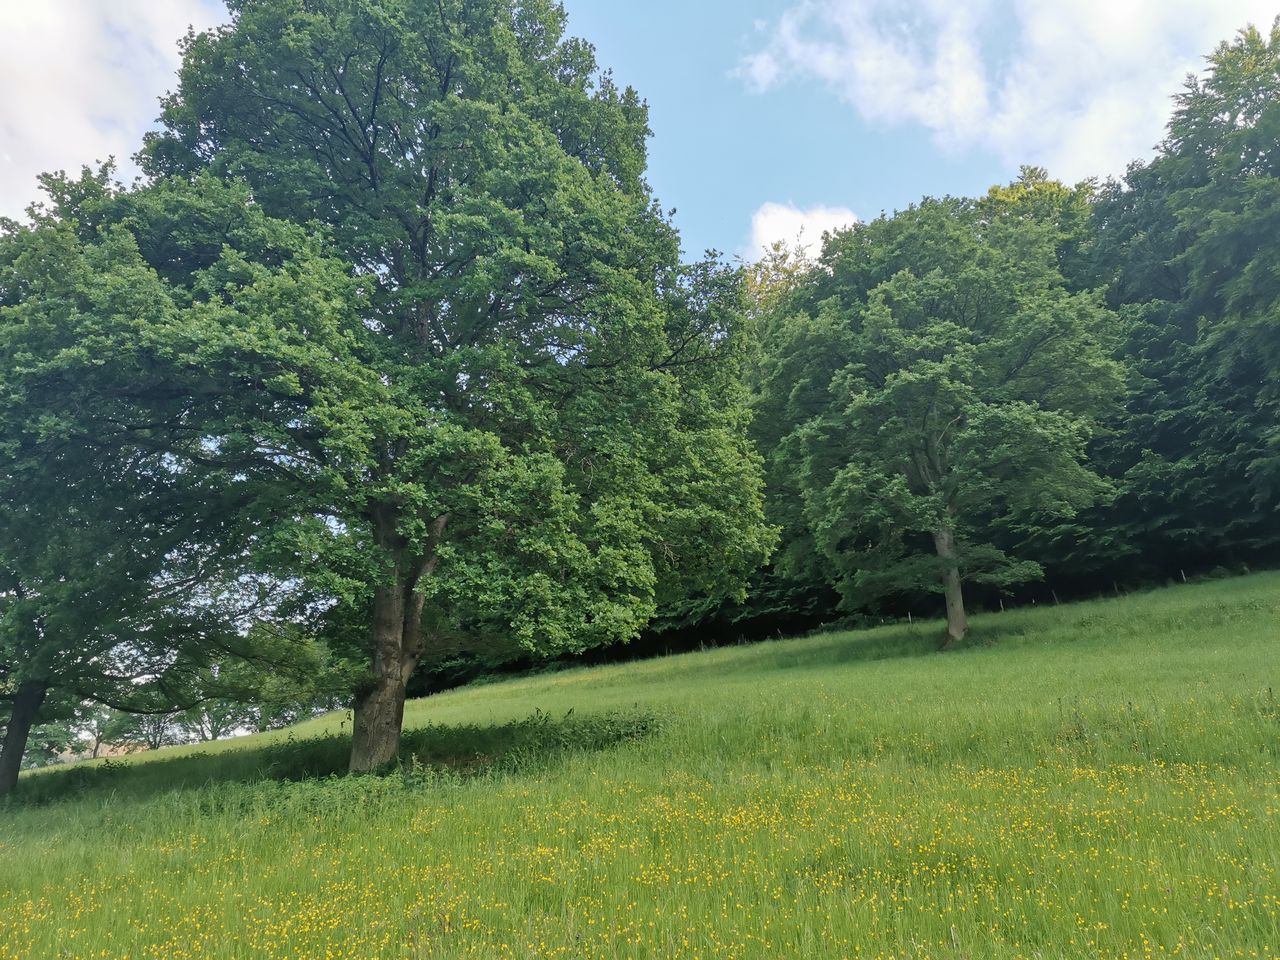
[(1092, 780)]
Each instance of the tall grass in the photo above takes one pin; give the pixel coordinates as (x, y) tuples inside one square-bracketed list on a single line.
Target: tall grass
[(1092, 780)]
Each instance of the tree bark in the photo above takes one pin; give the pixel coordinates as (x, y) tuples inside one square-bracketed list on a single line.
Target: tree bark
[(957, 623), (26, 704), (397, 648), (379, 710)]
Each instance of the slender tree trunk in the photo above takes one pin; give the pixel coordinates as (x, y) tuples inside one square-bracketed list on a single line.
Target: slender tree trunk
[(957, 624), (26, 704)]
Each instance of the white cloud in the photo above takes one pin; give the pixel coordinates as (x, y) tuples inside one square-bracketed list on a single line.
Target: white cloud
[(1082, 87), (792, 225), (81, 80)]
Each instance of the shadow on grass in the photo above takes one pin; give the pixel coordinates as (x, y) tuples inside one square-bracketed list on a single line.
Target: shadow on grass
[(900, 641), (426, 753)]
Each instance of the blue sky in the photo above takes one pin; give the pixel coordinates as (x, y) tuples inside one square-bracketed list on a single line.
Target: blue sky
[(720, 151), (770, 116), (802, 112)]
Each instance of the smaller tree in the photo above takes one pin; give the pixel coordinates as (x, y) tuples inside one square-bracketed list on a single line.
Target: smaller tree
[(275, 676), (96, 727), (51, 743), (214, 719), (966, 381), (147, 731)]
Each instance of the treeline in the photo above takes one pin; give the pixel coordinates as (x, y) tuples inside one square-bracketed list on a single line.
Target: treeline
[(388, 371), (1050, 391)]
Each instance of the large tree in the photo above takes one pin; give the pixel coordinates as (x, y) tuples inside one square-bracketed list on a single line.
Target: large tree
[(125, 544), (943, 383), (548, 445)]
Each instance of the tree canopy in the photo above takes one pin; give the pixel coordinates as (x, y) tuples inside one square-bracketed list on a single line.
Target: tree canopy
[(952, 381), (410, 298)]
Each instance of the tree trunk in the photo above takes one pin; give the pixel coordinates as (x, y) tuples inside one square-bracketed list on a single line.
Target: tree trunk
[(379, 711), (397, 647), (26, 704), (957, 624)]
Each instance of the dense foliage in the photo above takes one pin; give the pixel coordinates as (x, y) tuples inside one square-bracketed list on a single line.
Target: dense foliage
[(391, 361), (1083, 378), (952, 384), (1188, 244), (397, 301)]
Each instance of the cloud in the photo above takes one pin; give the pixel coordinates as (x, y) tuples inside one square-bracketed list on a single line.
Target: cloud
[(81, 79), (780, 221), (1081, 87)]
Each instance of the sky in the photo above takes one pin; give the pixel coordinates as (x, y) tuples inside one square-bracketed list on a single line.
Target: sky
[(772, 119)]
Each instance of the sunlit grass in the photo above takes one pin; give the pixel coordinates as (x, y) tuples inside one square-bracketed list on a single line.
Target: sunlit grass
[(1094, 780)]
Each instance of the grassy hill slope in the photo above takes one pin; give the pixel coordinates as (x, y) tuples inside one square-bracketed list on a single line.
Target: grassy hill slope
[(1091, 780)]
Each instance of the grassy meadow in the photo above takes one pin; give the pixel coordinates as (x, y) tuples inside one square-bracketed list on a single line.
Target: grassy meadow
[(1092, 780)]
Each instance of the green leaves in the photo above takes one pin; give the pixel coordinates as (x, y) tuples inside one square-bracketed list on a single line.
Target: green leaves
[(965, 391), (398, 292), (1188, 243)]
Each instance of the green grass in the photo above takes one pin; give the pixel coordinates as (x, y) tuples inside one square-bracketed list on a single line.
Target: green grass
[(1092, 780)]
